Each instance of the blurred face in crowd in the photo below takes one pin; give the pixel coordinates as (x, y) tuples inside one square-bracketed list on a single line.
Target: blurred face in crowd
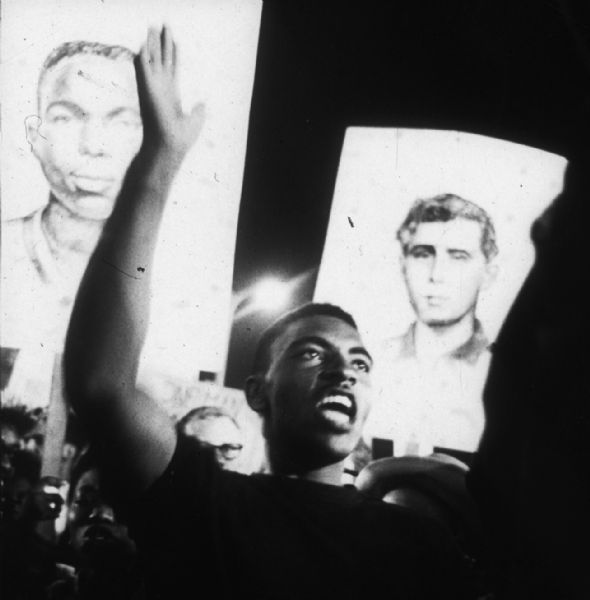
[(95, 534), (221, 433), (34, 440), (88, 131), (445, 269), (10, 442), (315, 394)]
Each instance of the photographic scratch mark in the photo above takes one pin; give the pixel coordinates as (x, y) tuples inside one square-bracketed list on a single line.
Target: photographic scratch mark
[(106, 262), (215, 177), (350, 222)]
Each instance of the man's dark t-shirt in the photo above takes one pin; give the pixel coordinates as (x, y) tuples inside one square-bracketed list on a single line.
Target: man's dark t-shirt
[(202, 530)]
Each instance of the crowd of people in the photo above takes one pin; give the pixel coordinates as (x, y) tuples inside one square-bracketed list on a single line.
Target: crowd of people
[(149, 508), (62, 536), (66, 537)]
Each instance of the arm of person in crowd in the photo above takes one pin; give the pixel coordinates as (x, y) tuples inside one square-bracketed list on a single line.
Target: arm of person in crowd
[(111, 314)]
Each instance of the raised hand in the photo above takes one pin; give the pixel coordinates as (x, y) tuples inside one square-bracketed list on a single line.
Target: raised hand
[(166, 126)]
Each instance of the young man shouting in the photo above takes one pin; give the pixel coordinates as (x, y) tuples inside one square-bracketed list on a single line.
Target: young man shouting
[(296, 533)]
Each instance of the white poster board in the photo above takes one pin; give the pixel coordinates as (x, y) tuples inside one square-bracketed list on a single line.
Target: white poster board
[(382, 172), (217, 41)]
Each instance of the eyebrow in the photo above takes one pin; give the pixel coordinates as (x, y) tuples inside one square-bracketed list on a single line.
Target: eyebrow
[(77, 110), (123, 109), (319, 341), (431, 248), (65, 104)]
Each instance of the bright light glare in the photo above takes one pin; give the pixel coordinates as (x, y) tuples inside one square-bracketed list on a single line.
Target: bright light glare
[(270, 294)]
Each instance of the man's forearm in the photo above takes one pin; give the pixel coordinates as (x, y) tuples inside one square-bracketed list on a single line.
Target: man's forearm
[(110, 319), (111, 314)]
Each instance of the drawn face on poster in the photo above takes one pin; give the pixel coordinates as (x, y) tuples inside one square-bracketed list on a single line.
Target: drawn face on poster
[(428, 245), (88, 127), (73, 88)]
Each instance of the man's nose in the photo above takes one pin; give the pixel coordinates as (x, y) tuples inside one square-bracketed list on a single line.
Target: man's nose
[(92, 138), (339, 369), (438, 268)]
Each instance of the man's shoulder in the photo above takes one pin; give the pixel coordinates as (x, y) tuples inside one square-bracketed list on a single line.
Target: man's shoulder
[(13, 235), (477, 346), (14, 232), (402, 346)]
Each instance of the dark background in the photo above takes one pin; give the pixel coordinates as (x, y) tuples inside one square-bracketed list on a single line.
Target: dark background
[(517, 70)]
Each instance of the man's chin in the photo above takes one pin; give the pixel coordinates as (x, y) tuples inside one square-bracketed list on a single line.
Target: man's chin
[(336, 445), (442, 320), (440, 323), (89, 206)]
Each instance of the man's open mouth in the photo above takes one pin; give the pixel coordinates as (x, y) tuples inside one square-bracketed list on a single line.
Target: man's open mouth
[(338, 407)]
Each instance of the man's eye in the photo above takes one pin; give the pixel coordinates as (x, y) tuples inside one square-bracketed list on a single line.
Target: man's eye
[(361, 365), (310, 354), (61, 118), (125, 122), (420, 253), (459, 255)]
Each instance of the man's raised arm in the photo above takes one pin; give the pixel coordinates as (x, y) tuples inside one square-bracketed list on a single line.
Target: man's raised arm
[(111, 314)]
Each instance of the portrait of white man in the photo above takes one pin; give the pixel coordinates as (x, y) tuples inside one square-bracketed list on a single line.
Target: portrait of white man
[(71, 129), (428, 245)]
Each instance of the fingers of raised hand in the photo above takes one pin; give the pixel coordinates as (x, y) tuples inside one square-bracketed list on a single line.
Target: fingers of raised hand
[(168, 49), (159, 51)]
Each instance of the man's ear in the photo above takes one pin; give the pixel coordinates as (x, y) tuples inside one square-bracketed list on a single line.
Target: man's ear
[(491, 275), (256, 394), (32, 127), (402, 264)]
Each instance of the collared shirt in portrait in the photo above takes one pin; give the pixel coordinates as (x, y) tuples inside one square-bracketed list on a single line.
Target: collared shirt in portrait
[(423, 404)]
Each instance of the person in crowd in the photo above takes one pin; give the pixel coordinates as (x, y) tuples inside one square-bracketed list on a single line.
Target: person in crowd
[(30, 506), (295, 533), (16, 423), (436, 371), (101, 555), (214, 428), (85, 134)]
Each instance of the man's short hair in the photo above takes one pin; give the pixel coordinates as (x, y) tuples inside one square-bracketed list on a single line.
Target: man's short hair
[(77, 48), (443, 208), (271, 333), (204, 413)]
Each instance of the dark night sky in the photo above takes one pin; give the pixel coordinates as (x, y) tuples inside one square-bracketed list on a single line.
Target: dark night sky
[(514, 70)]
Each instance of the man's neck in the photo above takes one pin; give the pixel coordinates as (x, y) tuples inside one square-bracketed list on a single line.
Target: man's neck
[(68, 235), (330, 474), (432, 342)]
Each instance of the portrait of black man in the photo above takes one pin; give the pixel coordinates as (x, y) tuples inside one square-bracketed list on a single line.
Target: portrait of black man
[(71, 129)]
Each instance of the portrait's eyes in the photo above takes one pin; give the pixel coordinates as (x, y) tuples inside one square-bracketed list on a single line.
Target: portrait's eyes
[(459, 255), (420, 252), (360, 364), (125, 119), (61, 118)]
